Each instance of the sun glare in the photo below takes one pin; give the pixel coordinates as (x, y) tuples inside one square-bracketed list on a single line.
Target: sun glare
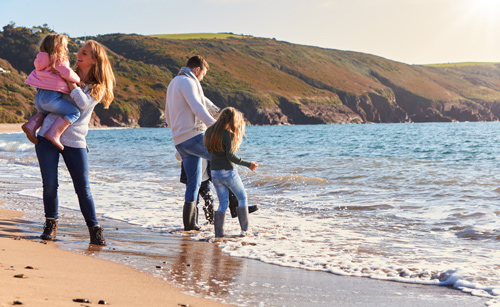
[(490, 8), (483, 15)]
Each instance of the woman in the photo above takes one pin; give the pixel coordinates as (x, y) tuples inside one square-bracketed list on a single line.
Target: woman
[(97, 84)]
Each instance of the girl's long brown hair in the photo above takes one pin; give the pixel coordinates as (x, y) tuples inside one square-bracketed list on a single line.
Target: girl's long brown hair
[(53, 45), (230, 119), (101, 77)]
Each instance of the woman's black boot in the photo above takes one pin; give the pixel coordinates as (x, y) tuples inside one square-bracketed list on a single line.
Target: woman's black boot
[(49, 229), (96, 236)]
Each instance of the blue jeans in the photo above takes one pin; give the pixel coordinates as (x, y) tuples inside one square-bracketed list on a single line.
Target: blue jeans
[(192, 151), (52, 102), (77, 164), (228, 179)]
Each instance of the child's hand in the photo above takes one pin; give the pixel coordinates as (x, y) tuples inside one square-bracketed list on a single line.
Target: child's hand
[(253, 166), (71, 85)]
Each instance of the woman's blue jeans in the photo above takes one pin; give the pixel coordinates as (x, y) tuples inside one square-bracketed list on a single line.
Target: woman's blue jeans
[(228, 179), (52, 102), (192, 151), (76, 161)]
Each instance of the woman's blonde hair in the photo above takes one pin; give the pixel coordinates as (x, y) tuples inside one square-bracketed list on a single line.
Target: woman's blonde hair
[(101, 78), (229, 119), (53, 44)]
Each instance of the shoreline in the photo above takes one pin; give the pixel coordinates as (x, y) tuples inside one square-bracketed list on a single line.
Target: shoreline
[(200, 266), (7, 128)]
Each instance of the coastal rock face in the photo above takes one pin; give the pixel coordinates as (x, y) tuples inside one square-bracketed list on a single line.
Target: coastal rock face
[(151, 116), (305, 115), (271, 82), (310, 113)]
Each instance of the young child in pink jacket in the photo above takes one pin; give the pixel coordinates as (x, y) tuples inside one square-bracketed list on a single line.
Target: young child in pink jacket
[(52, 69)]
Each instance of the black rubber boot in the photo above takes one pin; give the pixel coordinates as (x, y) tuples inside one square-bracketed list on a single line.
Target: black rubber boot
[(243, 219), (190, 216), (252, 209), (96, 236), (233, 204), (219, 223), (50, 229)]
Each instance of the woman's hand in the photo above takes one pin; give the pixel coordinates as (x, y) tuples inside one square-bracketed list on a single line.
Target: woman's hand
[(253, 166)]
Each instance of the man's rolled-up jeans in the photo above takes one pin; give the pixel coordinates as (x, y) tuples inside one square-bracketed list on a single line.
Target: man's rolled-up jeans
[(192, 151)]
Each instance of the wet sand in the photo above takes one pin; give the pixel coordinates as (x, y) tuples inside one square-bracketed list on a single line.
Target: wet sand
[(151, 263)]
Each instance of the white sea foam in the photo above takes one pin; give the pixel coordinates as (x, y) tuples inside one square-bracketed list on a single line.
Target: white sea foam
[(15, 146)]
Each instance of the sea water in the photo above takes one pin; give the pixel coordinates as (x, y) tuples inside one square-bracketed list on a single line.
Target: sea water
[(415, 203)]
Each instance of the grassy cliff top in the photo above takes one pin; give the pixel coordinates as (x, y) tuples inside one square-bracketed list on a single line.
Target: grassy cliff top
[(199, 36), (461, 64)]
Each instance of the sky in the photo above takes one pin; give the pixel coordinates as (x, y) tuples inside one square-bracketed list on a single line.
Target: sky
[(408, 31)]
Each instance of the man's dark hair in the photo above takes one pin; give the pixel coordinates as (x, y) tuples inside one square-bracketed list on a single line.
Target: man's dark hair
[(197, 61)]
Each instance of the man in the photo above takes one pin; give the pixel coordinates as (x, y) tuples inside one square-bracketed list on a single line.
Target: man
[(187, 115)]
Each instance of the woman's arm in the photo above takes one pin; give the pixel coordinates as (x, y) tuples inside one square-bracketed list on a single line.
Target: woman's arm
[(82, 99)]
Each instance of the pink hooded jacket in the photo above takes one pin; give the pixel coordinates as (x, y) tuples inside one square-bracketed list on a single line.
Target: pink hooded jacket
[(43, 77)]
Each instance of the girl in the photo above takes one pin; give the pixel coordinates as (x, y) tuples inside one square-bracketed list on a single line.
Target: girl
[(222, 140), (94, 69), (49, 77)]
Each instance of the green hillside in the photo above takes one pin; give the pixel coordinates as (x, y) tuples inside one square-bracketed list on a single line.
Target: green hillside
[(274, 82)]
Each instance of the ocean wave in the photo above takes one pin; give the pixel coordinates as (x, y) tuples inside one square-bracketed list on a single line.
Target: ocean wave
[(366, 208), (288, 181), (13, 146), (478, 233)]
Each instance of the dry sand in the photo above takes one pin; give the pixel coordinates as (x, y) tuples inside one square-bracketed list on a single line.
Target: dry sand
[(10, 128)]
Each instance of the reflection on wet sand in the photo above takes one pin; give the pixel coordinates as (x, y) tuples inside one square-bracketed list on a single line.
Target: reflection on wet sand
[(202, 267), (198, 267)]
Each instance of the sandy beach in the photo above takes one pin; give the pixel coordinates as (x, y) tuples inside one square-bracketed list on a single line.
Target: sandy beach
[(49, 276), (124, 274), (10, 128)]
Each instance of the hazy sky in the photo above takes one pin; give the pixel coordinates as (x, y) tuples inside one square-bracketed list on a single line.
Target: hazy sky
[(409, 31)]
